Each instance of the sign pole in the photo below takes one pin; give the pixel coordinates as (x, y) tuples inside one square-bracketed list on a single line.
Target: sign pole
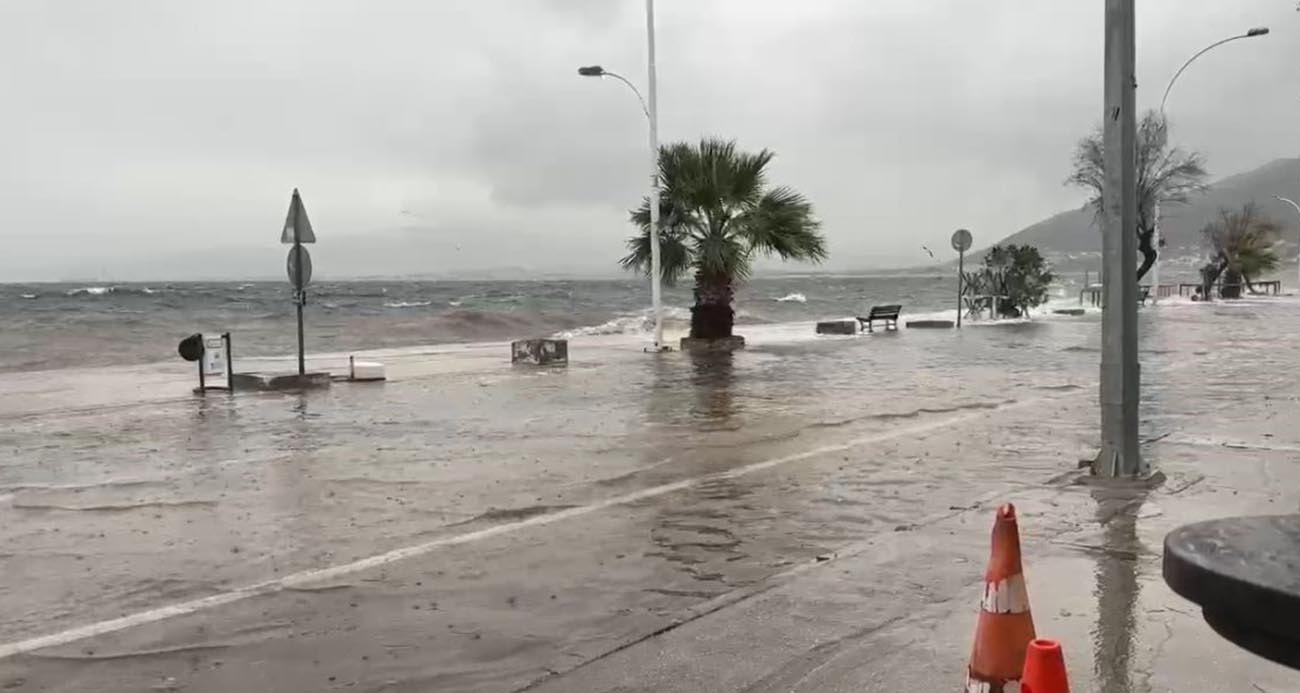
[(203, 385), (297, 231), (230, 364), (961, 277), (961, 241), (300, 297)]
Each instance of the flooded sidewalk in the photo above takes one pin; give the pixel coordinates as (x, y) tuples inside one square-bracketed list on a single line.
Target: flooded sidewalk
[(805, 515), (898, 611)]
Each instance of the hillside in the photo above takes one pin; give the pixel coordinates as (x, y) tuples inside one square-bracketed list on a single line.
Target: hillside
[(1072, 234)]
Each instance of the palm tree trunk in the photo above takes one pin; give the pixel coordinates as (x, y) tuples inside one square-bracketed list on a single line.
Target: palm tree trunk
[(712, 316), (1210, 274), (1148, 250), (1231, 287)]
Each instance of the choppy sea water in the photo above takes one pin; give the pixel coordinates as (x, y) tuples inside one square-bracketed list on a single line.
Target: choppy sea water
[(51, 326)]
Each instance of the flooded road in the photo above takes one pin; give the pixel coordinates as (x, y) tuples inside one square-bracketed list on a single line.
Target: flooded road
[(472, 527)]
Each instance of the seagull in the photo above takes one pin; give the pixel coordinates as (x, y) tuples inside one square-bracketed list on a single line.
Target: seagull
[(931, 252)]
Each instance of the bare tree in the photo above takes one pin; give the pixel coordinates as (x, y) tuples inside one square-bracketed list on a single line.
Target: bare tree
[(1166, 174)]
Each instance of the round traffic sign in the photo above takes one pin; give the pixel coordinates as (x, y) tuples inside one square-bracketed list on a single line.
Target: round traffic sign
[(292, 266), (961, 240)]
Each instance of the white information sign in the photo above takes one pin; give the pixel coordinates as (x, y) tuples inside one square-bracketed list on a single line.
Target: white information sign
[(215, 358)]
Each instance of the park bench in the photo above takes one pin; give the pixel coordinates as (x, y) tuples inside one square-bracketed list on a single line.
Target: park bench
[(885, 314)]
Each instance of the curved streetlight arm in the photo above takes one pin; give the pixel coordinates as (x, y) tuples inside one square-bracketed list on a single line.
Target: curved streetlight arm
[(1258, 31), (601, 72), (1279, 198)]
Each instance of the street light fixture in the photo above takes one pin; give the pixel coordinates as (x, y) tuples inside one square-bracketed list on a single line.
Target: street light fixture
[(598, 71), (1155, 236), (1252, 33), (651, 110)]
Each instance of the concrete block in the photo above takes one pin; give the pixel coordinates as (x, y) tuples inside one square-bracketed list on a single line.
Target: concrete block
[(838, 327), (733, 343), (929, 324), (280, 381), (365, 371), (540, 352)]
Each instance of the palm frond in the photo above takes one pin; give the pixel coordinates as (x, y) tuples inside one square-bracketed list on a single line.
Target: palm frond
[(1243, 241), (782, 224), (720, 255), (674, 256), (716, 212)]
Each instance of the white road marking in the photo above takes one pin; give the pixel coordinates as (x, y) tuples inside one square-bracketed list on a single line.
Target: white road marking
[(309, 576)]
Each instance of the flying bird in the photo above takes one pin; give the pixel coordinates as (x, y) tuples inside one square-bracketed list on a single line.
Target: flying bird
[(931, 252)]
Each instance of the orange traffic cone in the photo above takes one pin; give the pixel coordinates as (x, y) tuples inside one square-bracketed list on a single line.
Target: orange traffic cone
[(1044, 669), (1005, 626)]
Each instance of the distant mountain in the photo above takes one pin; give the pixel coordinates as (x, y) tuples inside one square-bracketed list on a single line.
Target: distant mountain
[(1072, 237)]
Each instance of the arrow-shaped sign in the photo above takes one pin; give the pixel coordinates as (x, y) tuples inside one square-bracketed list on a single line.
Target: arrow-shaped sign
[(297, 228)]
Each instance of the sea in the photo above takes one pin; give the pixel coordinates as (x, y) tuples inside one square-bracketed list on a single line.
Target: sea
[(92, 324)]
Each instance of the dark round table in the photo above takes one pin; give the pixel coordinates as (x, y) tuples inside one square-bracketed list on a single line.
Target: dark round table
[(1244, 572)]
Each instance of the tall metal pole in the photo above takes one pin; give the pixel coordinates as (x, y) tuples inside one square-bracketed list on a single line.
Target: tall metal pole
[(961, 277), (653, 111), (1120, 380), (301, 298)]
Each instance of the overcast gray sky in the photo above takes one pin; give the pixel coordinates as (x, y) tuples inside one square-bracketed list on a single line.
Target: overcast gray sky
[(162, 138)]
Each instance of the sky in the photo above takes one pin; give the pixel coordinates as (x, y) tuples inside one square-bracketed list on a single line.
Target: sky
[(161, 139)]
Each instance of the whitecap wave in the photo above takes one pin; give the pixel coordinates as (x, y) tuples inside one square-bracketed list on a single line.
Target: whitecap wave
[(627, 324), (407, 304), (638, 323), (91, 291), (795, 297)]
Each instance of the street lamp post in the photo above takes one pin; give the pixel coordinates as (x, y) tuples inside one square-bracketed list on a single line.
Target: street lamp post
[(1279, 198), (651, 109), (1155, 212)]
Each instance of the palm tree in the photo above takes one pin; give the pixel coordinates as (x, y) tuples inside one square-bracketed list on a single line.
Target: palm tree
[(1241, 247), (1167, 175), (718, 214)]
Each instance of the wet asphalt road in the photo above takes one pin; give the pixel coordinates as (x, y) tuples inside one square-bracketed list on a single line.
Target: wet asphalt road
[(483, 528)]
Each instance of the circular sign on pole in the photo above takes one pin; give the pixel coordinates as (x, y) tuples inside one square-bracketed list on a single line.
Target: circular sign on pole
[(292, 266), (961, 240)]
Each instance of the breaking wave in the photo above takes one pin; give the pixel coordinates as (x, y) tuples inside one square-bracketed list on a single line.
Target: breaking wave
[(638, 323), (111, 290)]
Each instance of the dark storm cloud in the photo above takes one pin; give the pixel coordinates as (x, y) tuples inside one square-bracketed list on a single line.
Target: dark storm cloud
[(449, 136)]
